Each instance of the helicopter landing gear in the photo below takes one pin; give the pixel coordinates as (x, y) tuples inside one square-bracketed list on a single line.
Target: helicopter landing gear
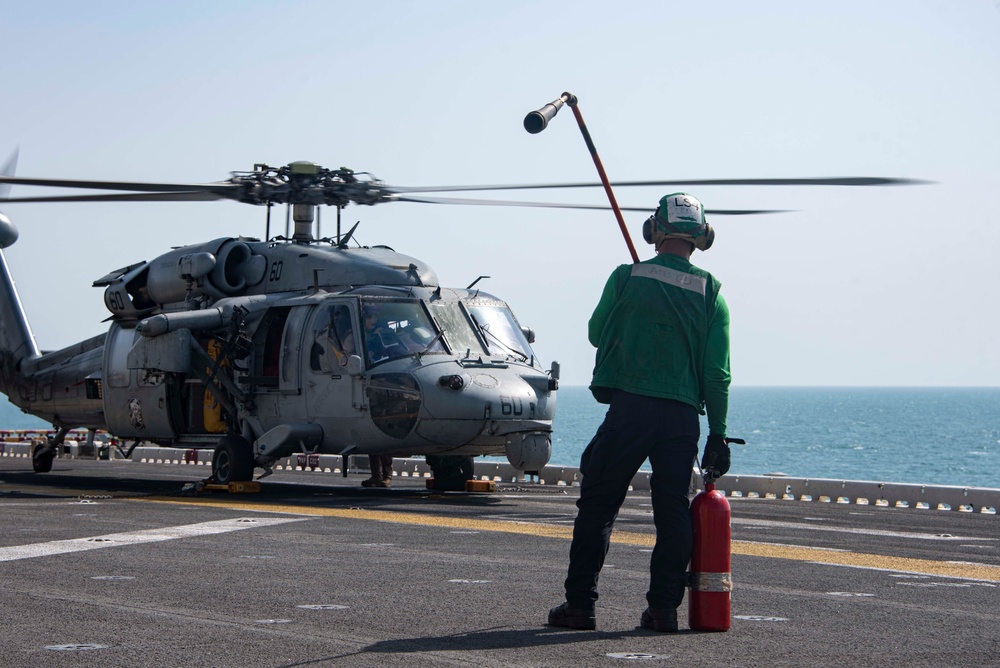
[(42, 454), (233, 460), (450, 472), (41, 457)]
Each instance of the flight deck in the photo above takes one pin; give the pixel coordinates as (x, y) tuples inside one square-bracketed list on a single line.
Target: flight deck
[(121, 563)]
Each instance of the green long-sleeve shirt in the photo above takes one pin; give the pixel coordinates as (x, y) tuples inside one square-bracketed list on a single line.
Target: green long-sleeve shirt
[(661, 329)]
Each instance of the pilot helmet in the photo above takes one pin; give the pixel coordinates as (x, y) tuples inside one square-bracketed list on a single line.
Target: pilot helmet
[(680, 215)]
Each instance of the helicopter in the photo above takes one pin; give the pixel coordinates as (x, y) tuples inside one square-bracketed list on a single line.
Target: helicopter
[(261, 348)]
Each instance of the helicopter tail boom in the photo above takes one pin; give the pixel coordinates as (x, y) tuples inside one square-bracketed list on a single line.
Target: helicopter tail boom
[(17, 343), (28, 377)]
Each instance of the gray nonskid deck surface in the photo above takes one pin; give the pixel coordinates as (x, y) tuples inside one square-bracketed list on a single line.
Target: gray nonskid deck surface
[(319, 572)]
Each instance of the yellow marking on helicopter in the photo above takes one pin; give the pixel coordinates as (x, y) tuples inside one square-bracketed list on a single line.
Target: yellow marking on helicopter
[(739, 547)]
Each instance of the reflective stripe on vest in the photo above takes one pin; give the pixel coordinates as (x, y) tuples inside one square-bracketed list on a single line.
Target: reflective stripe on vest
[(670, 276)]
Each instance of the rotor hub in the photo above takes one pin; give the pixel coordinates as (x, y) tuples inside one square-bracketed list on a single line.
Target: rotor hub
[(306, 183)]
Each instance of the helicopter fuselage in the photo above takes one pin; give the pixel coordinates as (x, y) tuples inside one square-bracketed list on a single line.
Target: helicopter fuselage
[(294, 347)]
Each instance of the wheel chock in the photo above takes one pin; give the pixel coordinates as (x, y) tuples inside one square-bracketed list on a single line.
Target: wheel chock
[(249, 487), (480, 486), (470, 486)]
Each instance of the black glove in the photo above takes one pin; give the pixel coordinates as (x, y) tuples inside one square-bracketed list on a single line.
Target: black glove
[(716, 455)]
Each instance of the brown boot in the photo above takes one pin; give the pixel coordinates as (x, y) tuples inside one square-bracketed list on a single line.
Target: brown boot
[(374, 481)]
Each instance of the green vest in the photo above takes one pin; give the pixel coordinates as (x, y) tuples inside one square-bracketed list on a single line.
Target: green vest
[(661, 329)]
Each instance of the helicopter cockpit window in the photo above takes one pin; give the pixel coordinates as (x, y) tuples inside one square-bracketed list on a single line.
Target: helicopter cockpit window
[(458, 332), (333, 339), (396, 329), (502, 333)]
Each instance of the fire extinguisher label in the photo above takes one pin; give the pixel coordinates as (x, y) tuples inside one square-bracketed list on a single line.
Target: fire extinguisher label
[(710, 581)]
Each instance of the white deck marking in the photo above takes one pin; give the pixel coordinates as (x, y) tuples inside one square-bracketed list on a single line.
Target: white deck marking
[(854, 530), (137, 537)]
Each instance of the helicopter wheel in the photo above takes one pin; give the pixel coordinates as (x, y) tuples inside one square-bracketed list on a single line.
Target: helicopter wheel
[(233, 460), (41, 458), (451, 471)]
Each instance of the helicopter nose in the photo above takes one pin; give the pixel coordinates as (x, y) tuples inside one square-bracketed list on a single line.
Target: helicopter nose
[(488, 393)]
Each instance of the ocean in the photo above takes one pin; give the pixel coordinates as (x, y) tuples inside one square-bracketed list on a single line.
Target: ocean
[(936, 436)]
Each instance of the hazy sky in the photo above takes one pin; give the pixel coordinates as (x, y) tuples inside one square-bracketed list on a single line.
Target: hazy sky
[(879, 286)]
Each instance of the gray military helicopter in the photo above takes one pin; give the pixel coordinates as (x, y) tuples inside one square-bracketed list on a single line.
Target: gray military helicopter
[(258, 349)]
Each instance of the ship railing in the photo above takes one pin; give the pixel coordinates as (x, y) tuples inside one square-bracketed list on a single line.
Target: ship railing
[(776, 486)]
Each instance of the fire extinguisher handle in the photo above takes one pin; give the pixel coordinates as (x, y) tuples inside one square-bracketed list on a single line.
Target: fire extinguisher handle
[(710, 474)]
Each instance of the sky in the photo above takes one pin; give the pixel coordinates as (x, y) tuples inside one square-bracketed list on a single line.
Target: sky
[(857, 286)]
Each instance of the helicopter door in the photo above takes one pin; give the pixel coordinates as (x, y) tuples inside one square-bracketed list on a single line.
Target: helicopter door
[(289, 379), (265, 376), (332, 337), (280, 381)]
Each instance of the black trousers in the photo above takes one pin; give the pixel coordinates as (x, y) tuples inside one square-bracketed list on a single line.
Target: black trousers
[(635, 428)]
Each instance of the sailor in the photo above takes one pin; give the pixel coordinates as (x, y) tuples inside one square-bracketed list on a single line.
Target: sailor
[(661, 330), (381, 468)]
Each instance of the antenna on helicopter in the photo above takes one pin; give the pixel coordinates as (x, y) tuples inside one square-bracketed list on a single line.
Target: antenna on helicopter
[(342, 243)]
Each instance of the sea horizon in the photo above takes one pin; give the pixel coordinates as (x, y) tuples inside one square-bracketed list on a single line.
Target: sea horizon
[(923, 434), (940, 435)]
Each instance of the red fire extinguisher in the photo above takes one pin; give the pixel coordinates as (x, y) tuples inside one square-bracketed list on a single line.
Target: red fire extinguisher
[(710, 578)]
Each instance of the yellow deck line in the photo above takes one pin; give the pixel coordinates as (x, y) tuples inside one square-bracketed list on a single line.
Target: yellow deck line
[(745, 548), (862, 560)]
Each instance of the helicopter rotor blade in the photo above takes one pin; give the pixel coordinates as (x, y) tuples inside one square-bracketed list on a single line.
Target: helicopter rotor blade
[(809, 181), (121, 185), (552, 205), (294, 184), (195, 196)]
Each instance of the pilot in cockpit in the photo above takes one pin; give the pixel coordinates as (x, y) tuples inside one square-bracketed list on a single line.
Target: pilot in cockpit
[(374, 329)]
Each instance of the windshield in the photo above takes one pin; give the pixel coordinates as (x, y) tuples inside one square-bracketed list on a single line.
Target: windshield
[(395, 329), (458, 332), (503, 334)]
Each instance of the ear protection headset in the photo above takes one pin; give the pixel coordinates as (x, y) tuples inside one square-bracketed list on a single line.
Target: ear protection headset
[(702, 239), (682, 216)]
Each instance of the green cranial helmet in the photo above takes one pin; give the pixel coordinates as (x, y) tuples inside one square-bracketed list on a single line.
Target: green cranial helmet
[(680, 215)]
